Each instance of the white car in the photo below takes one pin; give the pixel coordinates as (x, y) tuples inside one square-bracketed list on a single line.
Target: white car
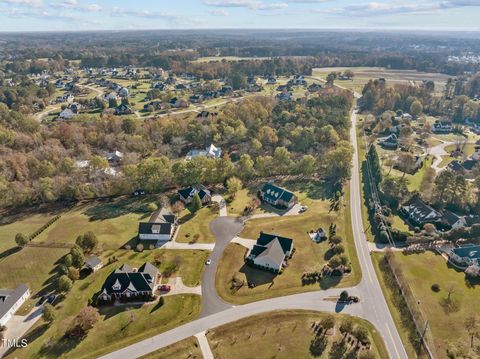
[(208, 262)]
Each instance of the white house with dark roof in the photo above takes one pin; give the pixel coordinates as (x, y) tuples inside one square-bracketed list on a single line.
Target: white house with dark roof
[(186, 194), (11, 301), (160, 228), (420, 213), (211, 152), (270, 252)]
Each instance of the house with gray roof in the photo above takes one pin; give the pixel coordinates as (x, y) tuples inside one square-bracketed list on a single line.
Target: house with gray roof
[(128, 284), (11, 301), (160, 228), (277, 196), (420, 213), (270, 252), (186, 194), (93, 263)]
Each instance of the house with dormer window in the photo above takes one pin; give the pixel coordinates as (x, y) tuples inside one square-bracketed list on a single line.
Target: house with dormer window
[(270, 252), (277, 196)]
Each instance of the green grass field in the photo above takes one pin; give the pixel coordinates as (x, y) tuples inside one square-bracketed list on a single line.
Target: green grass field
[(309, 256), (196, 226), (116, 327), (281, 335), (187, 348)]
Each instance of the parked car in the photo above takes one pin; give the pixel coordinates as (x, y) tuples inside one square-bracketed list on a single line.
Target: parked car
[(208, 262), (138, 192), (42, 300), (51, 298), (165, 288), (303, 209)]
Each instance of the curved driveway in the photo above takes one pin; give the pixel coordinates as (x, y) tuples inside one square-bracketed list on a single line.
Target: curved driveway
[(372, 307)]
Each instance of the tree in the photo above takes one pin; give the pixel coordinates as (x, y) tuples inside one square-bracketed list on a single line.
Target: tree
[(245, 167), (48, 313), (328, 322), (349, 73), (78, 258), (196, 204), (152, 207), (67, 260), (233, 186), (416, 108), (83, 322), (405, 162), (73, 274), (331, 78), (88, 242), (64, 284), (21, 240), (129, 125), (346, 326), (366, 354), (239, 81), (306, 166), (472, 327), (375, 166), (338, 162), (361, 334)]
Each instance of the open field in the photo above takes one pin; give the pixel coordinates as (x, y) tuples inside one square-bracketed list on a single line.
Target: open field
[(285, 334), (423, 270), (309, 256), (364, 74), (187, 348), (196, 228), (116, 327)]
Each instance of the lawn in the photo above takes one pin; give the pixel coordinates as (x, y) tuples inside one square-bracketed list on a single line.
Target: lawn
[(413, 181), (196, 228), (118, 327), (279, 334), (468, 149), (32, 266), (309, 256), (27, 224), (187, 348), (114, 222)]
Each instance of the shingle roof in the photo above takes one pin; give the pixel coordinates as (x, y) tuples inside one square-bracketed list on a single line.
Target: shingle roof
[(190, 191), (451, 218), (93, 261), (472, 252), (10, 298), (471, 220), (156, 228), (274, 193), (265, 238), (420, 212), (141, 281)]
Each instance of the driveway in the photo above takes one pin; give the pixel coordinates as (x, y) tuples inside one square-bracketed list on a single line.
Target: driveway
[(19, 325), (222, 205), (224, 229)]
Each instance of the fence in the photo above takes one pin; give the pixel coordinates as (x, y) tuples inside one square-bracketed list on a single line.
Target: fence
[(418, 316)]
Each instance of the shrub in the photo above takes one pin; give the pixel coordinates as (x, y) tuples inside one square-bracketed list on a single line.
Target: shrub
[(139, 247), (436, 287)]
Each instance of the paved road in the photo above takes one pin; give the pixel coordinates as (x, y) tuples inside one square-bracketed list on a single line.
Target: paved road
[(370, 289), (224, 229)]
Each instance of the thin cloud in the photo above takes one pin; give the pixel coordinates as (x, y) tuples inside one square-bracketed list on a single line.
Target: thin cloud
[(218, 12)]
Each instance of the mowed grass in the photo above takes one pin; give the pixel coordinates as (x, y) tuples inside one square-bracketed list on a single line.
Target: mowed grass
[(279, 334), (187, 348), (196, 228), (25, 224), (423, 270), (241, 200), (413, 181), (309, 256), (32, 266), (115, 223), (116, 328)]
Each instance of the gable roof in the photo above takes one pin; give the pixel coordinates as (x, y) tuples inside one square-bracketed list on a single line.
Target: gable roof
[(451, 218), (8, 298), (127, 280), (273, 251), (421, 212), (274, 193), (189, 192), (265, 239), (469, 251), (471, 220), (93, 261)]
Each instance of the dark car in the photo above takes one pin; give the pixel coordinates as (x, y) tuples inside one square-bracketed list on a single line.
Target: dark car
[(51, 298), (138, 192), (42, 300)]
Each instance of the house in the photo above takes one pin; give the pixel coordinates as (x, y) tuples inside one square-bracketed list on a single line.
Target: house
[(127, 284), (123, 92), (277, 196), (466, 255), (195, 98), (453, 220), (161, 227), (254, 88), (271, 80), (67, 114), (298, 80), (186, 194), (270, 252), (314, 88), (123, 109), (284, 96), (115, 157), (157, 105), (420, 213), (390, 142), (11, 301), (464, 168), (211, 152), (226, 90), (180, 87), (442, 127), (94, 263), (471, 220), (111, 96)]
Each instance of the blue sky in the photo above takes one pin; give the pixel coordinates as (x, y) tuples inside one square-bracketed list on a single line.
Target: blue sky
[(71, 15)]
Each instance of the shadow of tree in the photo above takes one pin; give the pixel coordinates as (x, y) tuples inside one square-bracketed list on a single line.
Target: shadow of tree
[(330, 281), (116, 207), (9, 252), (31, 336)]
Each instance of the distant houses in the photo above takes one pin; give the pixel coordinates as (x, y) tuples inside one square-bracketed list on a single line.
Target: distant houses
[(211, 151), (442, 127), (277, 196), (467, 255), (160, 228), (126, 284), (186, 194), (390, 142), (270, 252), (11, 301), (93, 263)]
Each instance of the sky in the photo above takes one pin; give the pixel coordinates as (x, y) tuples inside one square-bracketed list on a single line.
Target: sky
[(81, 15)]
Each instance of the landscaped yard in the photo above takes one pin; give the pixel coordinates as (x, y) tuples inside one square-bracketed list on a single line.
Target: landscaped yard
[(421, 271), (187, 348), (196, 228), (285, 334), (118, 327), (309, 256)]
